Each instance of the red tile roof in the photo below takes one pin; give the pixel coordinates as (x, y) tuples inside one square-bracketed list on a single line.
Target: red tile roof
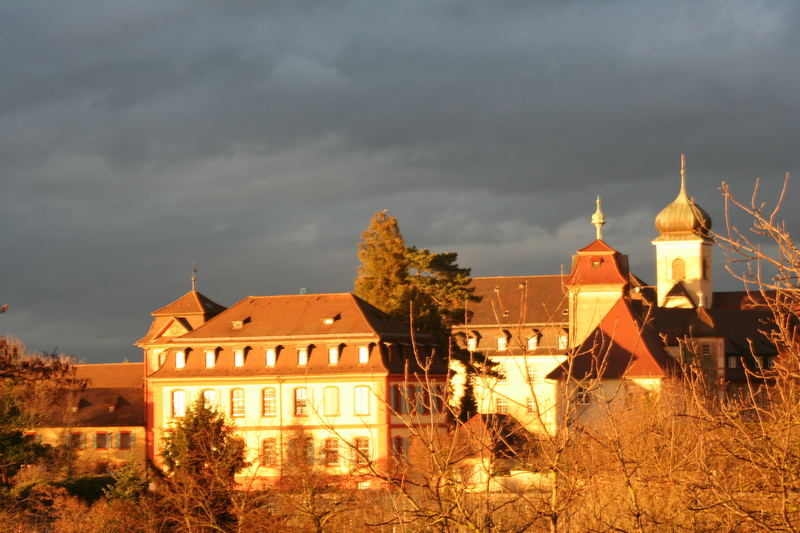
[(302, 315), (620, 347), (598, 264), (515, 300), (191, 303)]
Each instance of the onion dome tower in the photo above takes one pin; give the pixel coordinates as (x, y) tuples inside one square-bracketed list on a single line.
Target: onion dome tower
[(683, 252)]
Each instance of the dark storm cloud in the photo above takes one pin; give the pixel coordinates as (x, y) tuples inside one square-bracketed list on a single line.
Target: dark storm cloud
[(257, 138)]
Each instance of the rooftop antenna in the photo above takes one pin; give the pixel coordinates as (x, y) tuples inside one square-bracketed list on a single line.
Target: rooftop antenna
[(598, 220), (194, 277)]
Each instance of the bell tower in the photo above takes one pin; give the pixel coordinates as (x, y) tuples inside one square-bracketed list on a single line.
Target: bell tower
[(683, 252)]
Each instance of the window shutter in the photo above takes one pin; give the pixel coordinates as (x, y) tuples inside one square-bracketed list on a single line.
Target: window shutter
[(82, 441), (113, 441)]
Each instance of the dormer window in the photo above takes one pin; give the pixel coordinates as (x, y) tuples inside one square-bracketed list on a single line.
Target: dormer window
[(270, 357), (363, 355), (180, 359), (211, 358), (238, 358), (563, 340), (533, 340), (333, 355), (472, 343), (502, 343), (302, 356)]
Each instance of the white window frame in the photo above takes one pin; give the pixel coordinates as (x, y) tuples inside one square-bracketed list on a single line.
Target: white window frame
[(211, 358), (502, 343), (333, 355), (501, 405), (237, 404), (563, 340), (269, 402), (472, 344), (300, 401), (270, 357), (302, 356), (210, 398), (329, 406), (178, 402), (361, 395), (180, 359), (533, 341), (363, 355), (238, 358)]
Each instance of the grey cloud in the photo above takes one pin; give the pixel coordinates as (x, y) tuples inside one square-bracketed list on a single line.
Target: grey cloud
[(257, 138)]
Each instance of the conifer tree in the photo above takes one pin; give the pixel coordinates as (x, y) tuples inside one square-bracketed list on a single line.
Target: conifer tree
[(382, 278), (410, 283)]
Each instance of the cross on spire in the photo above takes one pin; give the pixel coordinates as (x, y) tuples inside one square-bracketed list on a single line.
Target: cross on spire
[(194, 277), (683, 173), (598, 220)]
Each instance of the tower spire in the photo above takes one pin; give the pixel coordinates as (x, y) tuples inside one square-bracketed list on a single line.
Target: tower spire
[(194, 277), (683, 173), (598, 220)]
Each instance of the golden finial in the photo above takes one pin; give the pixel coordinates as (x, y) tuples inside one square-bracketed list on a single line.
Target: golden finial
[(598, 220), (683, 173), (194, 277)]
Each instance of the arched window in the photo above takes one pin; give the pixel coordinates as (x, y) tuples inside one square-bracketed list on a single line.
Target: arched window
[(362, 401), (361, 451), (269, 403), (210, 398), (300, 402), (331, 452), (237, 402), (268, 452), (178, 403), (331, 401), (678, 269)]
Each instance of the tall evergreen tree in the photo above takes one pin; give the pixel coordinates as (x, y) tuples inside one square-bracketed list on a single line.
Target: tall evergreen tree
[(382, 278), (410, 283)]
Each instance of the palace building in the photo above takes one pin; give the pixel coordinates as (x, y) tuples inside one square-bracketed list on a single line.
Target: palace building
[(327, 374), (601, 334)]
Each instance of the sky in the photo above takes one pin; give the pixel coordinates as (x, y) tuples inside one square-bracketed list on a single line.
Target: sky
[(255, 139)]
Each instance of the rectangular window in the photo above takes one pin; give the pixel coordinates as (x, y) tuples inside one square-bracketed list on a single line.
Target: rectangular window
[(501, 406), (101, 441), (398, 400), (361, 451), (563, 341), (238, 358), (270, 357), (362, 401), (399, 448), (211, 358), (502, 343), (531, 406), (534, 376), (582, 396), (363, 355), (331, 401), (533, 341), (180, 359), (237, 402), (300, 402), (706, 349), (178, 403), (124, 440), (268, 452), (333, 355), (472, 343), (302, 356), (269, 402), (331, 452), (76, 440), (733, 361)]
